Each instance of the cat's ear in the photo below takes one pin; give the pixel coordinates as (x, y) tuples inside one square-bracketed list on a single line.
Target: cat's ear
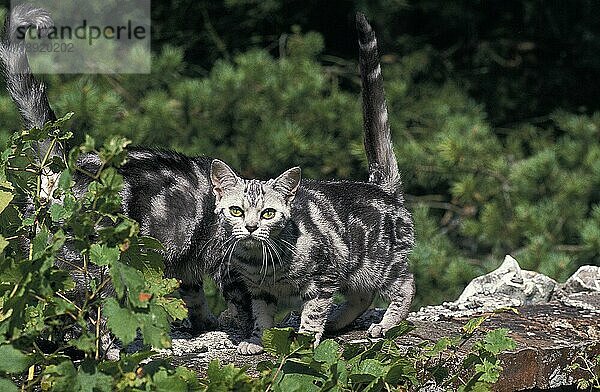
[(288, 183), (222, 177)]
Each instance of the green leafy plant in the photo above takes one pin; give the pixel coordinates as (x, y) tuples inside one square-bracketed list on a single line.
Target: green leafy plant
[(53, 323), (588, 367), (384, 365)]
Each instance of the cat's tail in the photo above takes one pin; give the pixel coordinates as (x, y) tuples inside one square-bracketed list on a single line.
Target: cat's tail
[(28, 93), (383, 166)]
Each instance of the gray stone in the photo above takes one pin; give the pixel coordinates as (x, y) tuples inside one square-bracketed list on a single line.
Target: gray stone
[(586, 279), (511, 284)]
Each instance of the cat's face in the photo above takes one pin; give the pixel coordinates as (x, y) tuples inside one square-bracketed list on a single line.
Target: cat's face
[(253, 210)]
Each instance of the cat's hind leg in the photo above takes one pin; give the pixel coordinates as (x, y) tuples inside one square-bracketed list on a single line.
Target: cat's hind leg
[(356, 304), (400, 293)]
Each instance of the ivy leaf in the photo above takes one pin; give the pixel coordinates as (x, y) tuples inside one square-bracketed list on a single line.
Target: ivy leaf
[(174, 307), (490, 371), (373, 367), (58, 212), (127, 279), (87, 378), (12, 360), (168, 382)]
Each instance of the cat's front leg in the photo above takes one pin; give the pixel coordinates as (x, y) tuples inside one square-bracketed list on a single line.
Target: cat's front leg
[(263, 312), (200, 316), (314, 315)]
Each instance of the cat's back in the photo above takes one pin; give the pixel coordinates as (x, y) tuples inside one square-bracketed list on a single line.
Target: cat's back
[(168, 193), (345, 196)]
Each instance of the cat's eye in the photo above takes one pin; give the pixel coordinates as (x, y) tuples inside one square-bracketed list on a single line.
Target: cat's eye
[(269, 213), (236, 211)]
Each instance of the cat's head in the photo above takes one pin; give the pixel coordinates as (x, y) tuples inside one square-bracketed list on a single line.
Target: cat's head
[(253, 210)]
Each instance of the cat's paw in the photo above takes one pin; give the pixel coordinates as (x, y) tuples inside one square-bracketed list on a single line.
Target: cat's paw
[(377, 331), (249, 348)]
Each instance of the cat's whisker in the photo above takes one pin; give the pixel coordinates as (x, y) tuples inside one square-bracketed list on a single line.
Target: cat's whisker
[(289, 247), (230, 254), (272, 261), (265, 262), (274, 246)]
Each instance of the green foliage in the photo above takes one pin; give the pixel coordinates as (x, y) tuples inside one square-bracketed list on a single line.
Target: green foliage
[(586, 369), (40, 304), (382, 365)]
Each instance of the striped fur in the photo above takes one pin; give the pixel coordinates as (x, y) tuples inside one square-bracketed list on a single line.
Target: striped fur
[(383, 167), (324, 237), (28, 93)]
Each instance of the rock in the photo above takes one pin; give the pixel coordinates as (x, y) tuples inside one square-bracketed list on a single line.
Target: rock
[(586, 279), (511, 284), (507, 287)]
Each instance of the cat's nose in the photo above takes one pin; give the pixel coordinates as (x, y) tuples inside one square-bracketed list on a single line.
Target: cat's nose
[(251, 228)]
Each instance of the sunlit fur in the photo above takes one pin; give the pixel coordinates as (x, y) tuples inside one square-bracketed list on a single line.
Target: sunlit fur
[(327, 237)]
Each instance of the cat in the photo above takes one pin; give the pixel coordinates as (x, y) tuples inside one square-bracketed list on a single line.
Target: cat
[(317, 238), (169, 194)]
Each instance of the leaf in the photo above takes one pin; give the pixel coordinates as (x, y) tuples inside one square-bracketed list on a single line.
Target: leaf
[(169, 382), (12, 360), (328, 351), (373, 367), (277, 341), (126, 279), (5, 199), (65, 180), (7, 386), (400, 370), (3, 243), (490, 371), (58, 213), (473, 324), (122, 322), (498, 340), (174, 307), (400, 330), (86, 378), (439, 347), (298, 383), (101, 254)]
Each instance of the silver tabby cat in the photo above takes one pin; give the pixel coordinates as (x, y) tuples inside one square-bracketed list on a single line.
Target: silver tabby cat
[(314, 239)]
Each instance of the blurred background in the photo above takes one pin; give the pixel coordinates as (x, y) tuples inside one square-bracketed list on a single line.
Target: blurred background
[(493, 106)]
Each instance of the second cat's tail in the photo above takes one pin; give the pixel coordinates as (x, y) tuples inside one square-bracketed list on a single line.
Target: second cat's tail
[(383, 166), (28, 93)]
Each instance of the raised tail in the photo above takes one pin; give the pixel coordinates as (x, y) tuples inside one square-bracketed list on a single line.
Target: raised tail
[(28, 93), (383, 166)]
